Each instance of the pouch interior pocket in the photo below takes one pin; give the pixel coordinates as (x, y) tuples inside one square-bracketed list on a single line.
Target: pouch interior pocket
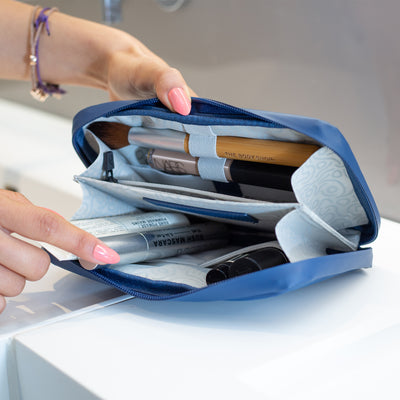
[(323, 211)]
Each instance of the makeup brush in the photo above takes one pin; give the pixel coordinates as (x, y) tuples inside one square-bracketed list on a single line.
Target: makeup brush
[(116, 135)]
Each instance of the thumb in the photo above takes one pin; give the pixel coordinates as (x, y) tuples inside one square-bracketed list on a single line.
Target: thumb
[(173, 91)]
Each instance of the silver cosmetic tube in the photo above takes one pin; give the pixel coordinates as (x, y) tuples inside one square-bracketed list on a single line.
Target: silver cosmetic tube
[(137, 247), (166, 139)]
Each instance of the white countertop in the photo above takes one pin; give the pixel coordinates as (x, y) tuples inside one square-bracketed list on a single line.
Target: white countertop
[(335, 339)]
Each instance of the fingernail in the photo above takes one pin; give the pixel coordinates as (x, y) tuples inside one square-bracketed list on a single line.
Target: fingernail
[(105, 255), (179, 101)]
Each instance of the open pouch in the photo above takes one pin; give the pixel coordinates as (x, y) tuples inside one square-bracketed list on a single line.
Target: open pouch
[(320, 222)]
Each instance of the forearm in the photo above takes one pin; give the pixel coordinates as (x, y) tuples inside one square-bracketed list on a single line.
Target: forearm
[(81, 52), (77, 51)]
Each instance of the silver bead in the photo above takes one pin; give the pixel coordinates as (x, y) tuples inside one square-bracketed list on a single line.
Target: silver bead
[(33, 59), (39, 95)]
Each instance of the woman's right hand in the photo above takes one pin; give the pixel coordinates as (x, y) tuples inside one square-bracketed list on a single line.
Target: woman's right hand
[(21, 261)]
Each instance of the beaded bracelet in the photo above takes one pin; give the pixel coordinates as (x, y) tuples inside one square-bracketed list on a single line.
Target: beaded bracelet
[(40, 90)]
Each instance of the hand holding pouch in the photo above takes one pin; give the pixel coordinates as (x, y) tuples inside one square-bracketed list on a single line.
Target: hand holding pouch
[(322, 226)]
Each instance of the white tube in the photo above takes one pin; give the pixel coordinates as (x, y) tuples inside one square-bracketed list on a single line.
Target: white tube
[(131, 223)]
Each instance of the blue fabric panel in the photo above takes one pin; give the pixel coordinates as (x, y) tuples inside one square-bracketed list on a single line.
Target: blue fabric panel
[(285, 278), (137, 286), (267, 283)]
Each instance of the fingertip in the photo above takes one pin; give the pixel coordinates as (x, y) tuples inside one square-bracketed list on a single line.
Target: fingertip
[(179, 101), (105, 255), (173, 91)]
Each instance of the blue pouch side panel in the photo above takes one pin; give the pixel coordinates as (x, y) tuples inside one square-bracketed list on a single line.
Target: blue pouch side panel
[(285, 278), (143, 288)]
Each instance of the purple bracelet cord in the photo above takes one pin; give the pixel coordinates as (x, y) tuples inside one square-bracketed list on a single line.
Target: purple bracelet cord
[(48, 88)]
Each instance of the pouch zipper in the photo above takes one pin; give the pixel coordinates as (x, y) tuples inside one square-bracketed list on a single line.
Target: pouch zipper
[(176, 117)]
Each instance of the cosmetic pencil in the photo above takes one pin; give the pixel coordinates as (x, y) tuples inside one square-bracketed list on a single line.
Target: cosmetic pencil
[(116, 135), (246, 172)]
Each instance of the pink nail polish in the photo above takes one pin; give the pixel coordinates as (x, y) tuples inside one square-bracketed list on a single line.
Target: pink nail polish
[(179, 101), (105, 255)]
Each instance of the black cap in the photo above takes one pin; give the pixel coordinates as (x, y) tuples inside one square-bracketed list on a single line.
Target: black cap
[(257, 261), (220, 273), (250, 262)]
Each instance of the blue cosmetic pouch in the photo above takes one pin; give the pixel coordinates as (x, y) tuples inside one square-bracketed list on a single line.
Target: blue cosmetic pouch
[(323, 225)]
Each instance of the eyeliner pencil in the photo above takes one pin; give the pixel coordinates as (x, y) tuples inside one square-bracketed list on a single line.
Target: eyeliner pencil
[(257, 174), (117, 135)]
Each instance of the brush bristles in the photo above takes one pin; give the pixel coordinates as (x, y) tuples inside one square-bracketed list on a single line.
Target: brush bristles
[(113, 134)]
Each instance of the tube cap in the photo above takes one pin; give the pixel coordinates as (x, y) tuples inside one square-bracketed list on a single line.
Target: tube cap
[(257, 261)]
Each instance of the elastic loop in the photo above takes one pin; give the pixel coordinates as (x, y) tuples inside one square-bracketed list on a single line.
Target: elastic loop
[(203, 142), (212, 168)]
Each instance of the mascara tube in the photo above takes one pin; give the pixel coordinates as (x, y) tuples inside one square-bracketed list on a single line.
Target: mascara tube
[(138, 247)]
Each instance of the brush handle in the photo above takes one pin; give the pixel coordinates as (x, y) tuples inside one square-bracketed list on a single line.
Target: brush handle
[(117, 135), (261, 151), (231, 147)]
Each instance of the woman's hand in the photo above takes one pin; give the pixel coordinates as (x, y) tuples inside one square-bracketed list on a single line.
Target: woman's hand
[(21, 261), (138, 73), (85, 53)]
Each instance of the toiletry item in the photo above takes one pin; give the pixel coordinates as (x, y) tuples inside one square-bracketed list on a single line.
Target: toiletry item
[(108, 166), (246, 172), (221, 271), (138, 247), (122, 224), (117, 135), (131, 223), (247, 263)]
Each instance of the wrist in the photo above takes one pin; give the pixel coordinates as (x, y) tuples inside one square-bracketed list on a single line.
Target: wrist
[(81, 55), (105, 45)]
